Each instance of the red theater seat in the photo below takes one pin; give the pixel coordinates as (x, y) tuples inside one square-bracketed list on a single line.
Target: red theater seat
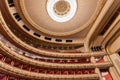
[(49, 60), (85, 72), (68, 61), (64, 72), (19, 66), (42, 71), (92, 71), (26, 67), (34, 69), (76, 61), (78, 72), (71, 72), (58, 61), (72, 61), (57, 72), (50, 72)]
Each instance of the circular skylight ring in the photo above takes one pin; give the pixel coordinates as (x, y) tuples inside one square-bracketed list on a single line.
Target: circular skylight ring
[(63, 18)]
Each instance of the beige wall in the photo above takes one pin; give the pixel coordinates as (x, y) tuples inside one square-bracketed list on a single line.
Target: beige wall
[(116, 61), (115, 45)]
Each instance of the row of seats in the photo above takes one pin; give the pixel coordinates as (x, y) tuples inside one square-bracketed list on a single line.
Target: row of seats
[(44, 70), (84, 60), (8, 77), (35, 57)]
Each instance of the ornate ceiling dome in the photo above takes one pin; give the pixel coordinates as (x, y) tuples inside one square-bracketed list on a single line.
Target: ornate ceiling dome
[(60, 17), (59, 39)]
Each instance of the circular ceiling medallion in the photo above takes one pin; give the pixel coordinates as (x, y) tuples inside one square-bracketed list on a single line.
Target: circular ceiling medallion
[(61, 7), (61, 10)]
